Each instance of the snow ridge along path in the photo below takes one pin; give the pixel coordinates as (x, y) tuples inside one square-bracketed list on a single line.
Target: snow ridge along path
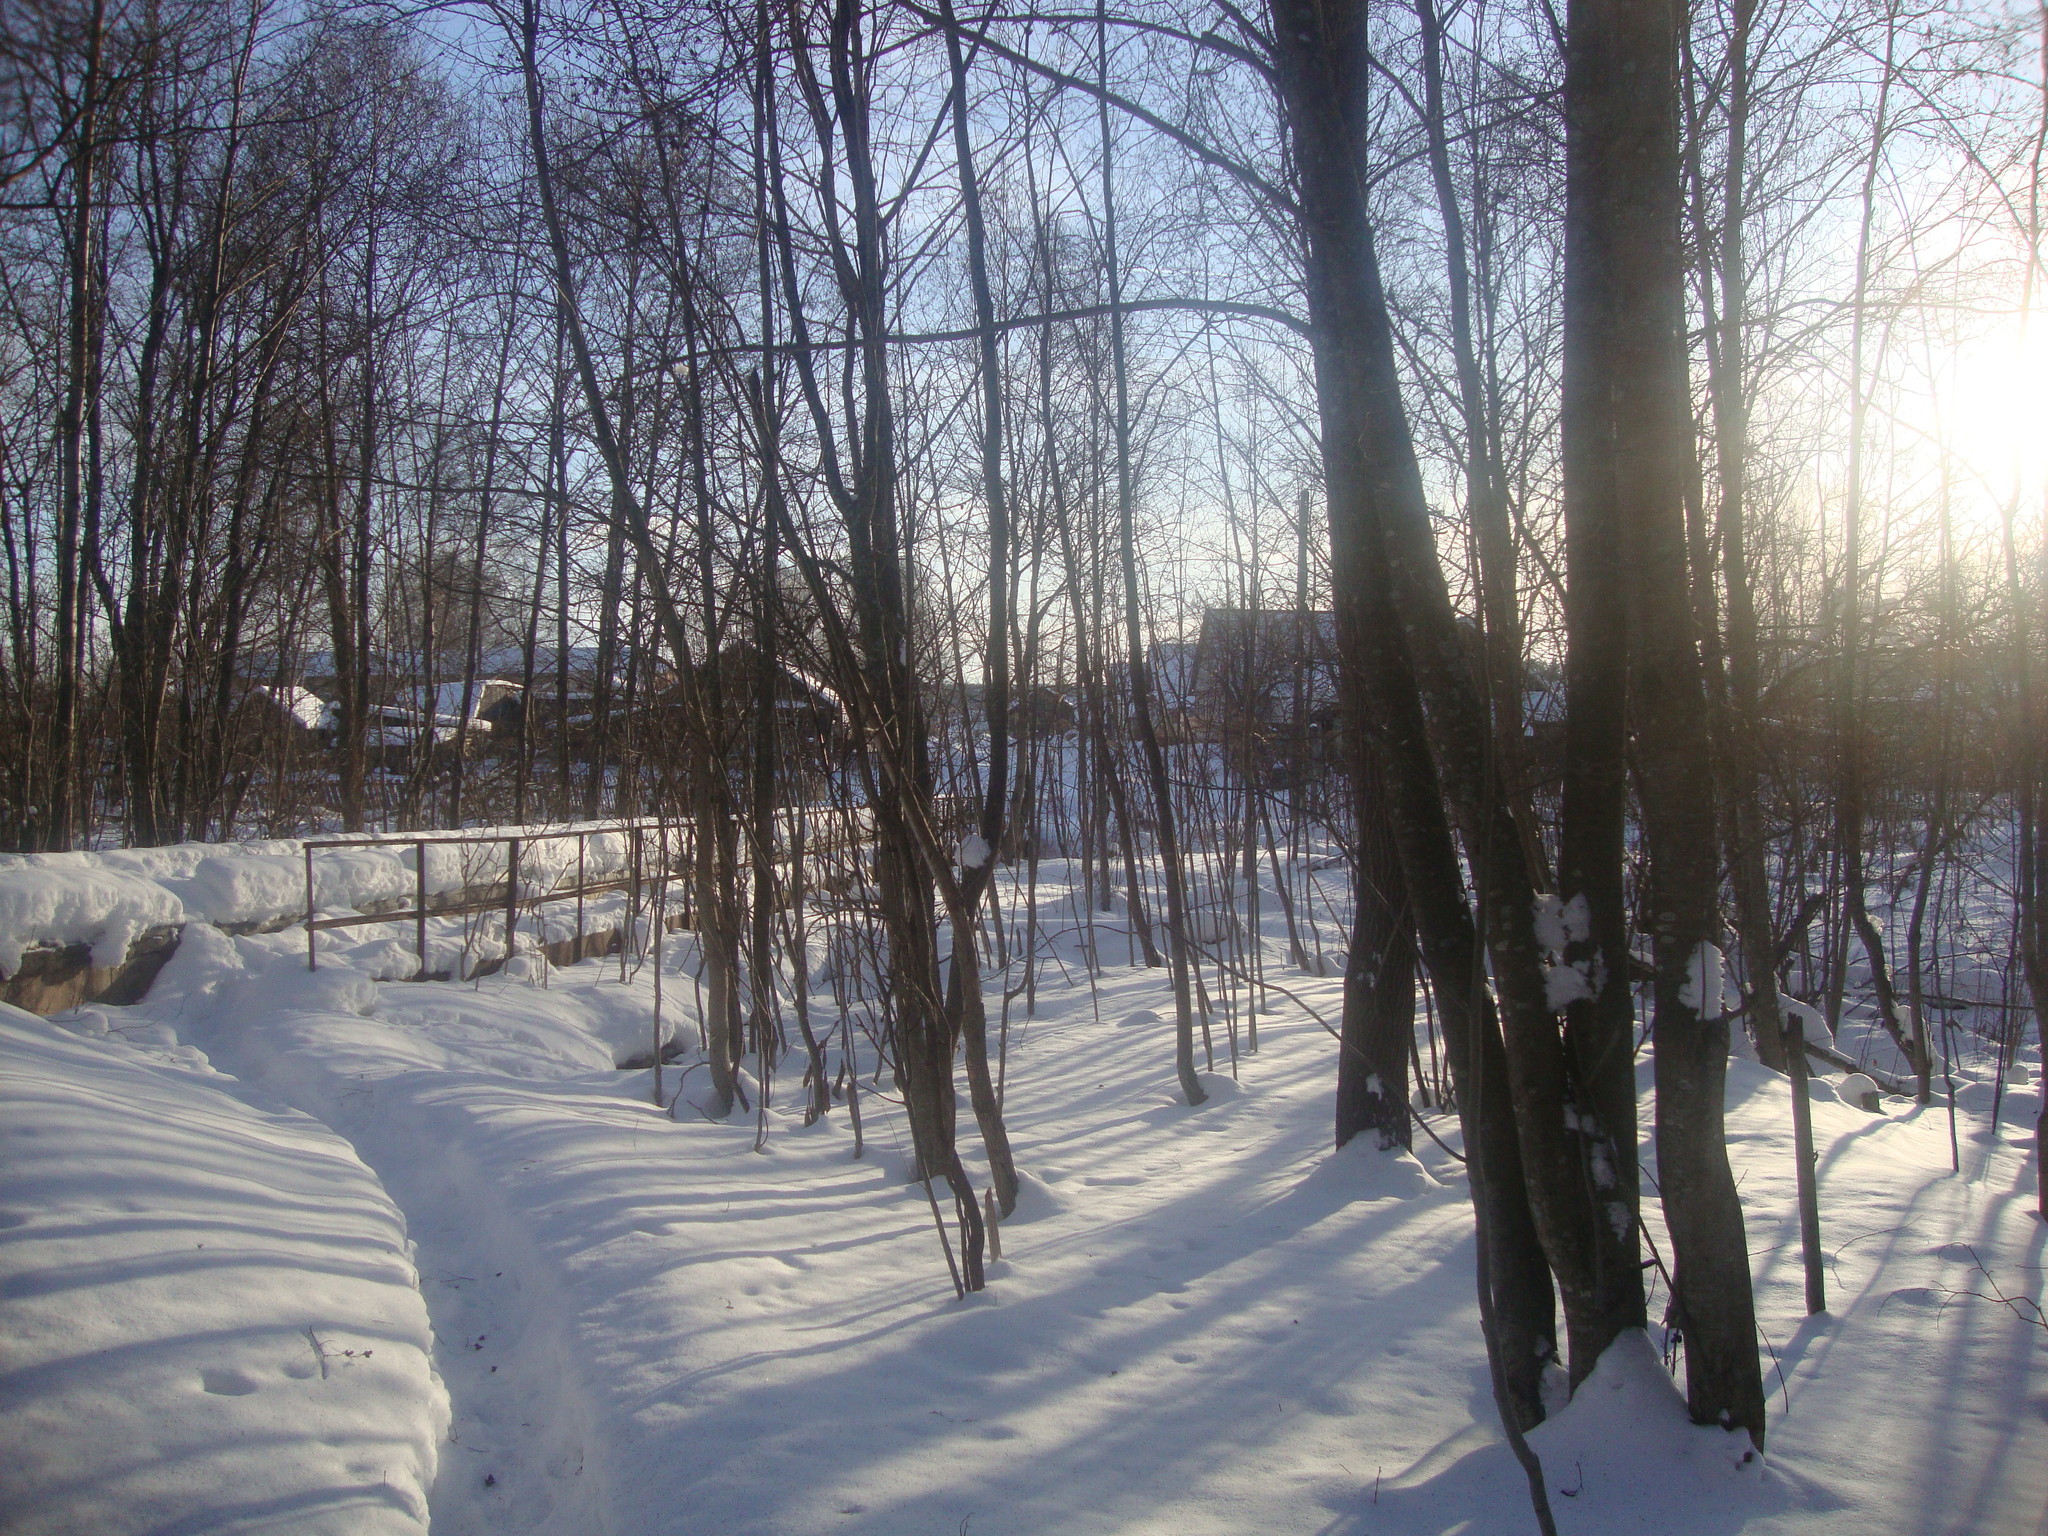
[(1206, 1323), (208, 1308)]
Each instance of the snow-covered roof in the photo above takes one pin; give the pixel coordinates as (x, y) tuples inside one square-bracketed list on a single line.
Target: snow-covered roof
[(302, 704), (445, 699)]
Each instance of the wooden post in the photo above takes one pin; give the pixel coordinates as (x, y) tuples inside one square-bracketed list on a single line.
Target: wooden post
[(660, 922), (312, 933), (419, 891), (582, 843), (1804, 1166), (511, 894), (632, 901)]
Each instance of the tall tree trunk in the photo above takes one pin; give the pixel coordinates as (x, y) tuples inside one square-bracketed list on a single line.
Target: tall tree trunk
[(977, 874), (1486, 501), (63, 816), (1851, 807), (1139, 662), (472, 649), (876, 657), (715, 880), (1380, 530), (1745, 828), (1624, 319), (1369, 465), (2030, 765), (1614, 462)]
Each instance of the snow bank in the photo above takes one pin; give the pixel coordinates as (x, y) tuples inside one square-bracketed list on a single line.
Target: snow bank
[(1358, 1170), (208, 1310), (254, 888), (252, 1002), (100, 907), (1625, 1455)]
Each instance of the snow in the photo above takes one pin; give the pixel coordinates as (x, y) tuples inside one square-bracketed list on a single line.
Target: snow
[(1701, 990), (300, 704), (210, 1314), (1205, 1322), (1559, 923), (251, 889), (103, 907), (444, 700), (1856, 1088), (1565, 984), (1625, 1448), (1810, 1018), (109, 898)]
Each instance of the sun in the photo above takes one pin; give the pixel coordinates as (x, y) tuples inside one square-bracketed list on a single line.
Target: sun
[(1997, 407)]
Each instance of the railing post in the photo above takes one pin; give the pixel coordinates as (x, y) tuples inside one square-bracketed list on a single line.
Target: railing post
[(312, 933), (660, 924), (582, 843), (419, 890), (632, 900), (1805, 1171), (511, 895)]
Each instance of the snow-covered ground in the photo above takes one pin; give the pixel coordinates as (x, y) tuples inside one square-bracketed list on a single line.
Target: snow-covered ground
[(209, 1317), (1204, 1320)]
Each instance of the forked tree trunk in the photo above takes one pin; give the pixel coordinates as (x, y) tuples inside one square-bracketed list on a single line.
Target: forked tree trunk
[(875, 656), (1368, 462), (1383, 551), (715, 877), (969, 1013)]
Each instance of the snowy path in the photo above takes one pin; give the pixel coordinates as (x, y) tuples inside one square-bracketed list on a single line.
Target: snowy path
[(1204, 1322)]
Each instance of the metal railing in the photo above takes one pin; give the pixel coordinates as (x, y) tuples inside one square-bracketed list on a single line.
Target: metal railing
[(635, 877), (952, 812)]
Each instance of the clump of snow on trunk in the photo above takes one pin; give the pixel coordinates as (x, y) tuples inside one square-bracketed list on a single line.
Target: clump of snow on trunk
[(1702, 990)]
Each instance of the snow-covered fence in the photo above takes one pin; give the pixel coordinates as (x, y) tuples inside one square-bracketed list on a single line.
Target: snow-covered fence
[(96, 926), (463, 874)]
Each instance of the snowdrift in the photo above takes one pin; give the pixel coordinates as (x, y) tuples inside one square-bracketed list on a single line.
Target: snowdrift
[(210, 1313)]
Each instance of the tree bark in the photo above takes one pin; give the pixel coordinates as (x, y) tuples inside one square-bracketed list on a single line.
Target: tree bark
[(1380, 533), (1370, 471), (1625, 306), (1139, 662), (1378, 1028)]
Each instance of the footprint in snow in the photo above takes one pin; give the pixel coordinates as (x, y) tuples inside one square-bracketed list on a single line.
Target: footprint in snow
[(225, 1381)]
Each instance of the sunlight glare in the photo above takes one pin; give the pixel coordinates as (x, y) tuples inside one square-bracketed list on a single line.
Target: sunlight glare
[(1998, 408)]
